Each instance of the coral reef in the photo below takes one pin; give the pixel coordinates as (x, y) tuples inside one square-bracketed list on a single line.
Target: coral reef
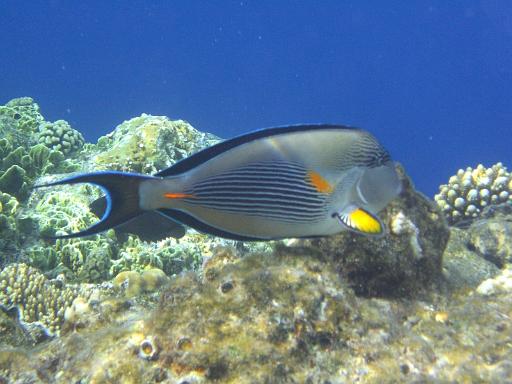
[(175, 256), (60, 136), (22, 161), (148, 144), (406, 261), (39, 300), (283, 317), (471, 190), (113, 308), (170, 255)]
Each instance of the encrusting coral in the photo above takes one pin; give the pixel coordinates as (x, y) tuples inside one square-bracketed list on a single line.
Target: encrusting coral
[(471, 190), (19, 121), (148, 144)]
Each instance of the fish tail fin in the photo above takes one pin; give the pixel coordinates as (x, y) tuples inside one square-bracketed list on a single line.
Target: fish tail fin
[(122, 198)]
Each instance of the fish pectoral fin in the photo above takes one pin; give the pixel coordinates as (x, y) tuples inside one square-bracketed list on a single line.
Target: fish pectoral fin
[(360, 220)]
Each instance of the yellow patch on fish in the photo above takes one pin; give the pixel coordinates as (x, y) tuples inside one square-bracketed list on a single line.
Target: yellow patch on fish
[(319, 182), (177, 195), (362, 221)]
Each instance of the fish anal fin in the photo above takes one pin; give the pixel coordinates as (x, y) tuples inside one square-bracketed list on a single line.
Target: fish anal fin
[(319, 182), (362, 221)]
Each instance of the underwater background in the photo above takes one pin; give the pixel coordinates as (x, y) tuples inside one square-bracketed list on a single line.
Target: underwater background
[(137, 86), (431, 79)]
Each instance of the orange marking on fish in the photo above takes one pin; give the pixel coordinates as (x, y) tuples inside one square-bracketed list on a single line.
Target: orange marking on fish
[(319, 182), (177, 195)]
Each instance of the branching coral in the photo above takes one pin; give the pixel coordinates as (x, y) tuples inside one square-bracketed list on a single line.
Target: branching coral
[(60, 136), (471, 190), (38, 299)]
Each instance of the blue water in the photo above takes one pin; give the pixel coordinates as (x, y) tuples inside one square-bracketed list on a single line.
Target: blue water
[(431, 79)]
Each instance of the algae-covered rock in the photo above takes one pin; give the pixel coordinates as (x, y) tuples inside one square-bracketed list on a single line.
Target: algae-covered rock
[(148, 144), (406, 261), (12, 331), (286, 317), (462, 266), (492, 239), (499, 284), (133, 283), (478, 252)]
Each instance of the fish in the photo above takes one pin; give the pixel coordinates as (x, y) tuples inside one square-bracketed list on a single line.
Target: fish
[(298, 181)]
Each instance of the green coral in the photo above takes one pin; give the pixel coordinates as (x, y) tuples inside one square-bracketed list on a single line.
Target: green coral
[(61, 212), (89, 260), (13, 180), (60, 136), (39, 300), (20, 166), (170, 255), (148, 144), (471, 190), (9, 235), (21, 158)]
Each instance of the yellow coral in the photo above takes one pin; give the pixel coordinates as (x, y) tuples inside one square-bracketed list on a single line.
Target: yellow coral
[(37, 298)]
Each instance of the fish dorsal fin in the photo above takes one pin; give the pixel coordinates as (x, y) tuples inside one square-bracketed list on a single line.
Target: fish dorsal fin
[(215, 150), (360, 220)]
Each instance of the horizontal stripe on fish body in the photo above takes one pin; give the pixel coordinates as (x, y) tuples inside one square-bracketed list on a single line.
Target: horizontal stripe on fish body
[(275, 214), (254, 173), (254, 195), (282, 183), (254, 187), (259, 203)]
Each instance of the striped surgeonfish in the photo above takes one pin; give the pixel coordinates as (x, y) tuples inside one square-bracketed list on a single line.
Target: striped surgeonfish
[(295, 181)]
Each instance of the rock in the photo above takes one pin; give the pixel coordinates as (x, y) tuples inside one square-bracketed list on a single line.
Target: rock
[(462, 267), (501, 284), (492, 239), (281, 318), (406, 261)]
